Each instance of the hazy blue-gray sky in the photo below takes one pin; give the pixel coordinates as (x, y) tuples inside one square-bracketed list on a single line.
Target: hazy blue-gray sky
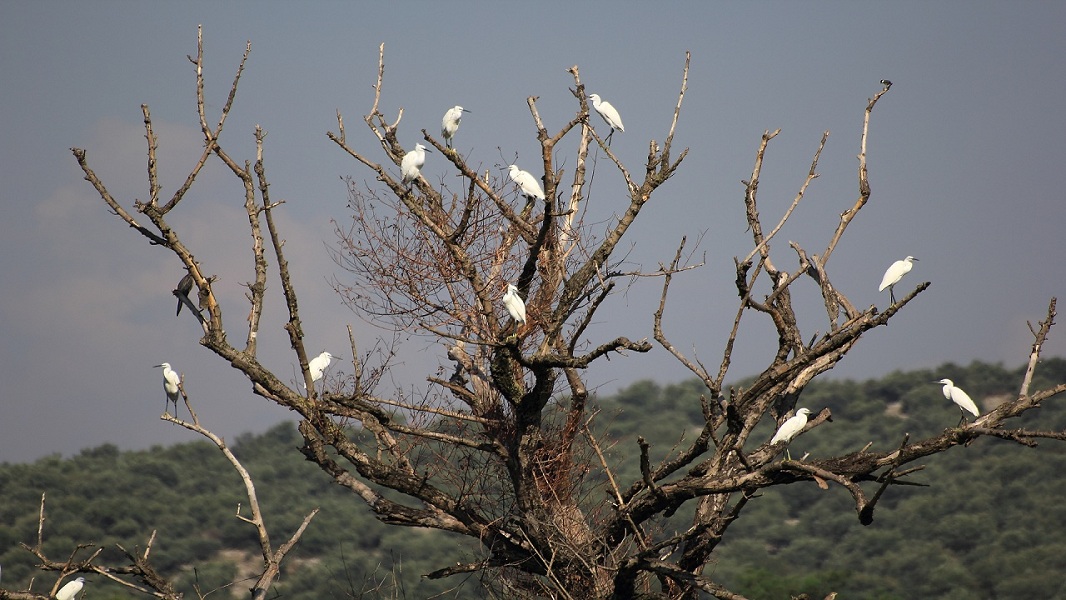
[(966, 165)]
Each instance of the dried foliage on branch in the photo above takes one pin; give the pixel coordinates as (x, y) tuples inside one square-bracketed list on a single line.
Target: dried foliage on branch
[(501, 447)]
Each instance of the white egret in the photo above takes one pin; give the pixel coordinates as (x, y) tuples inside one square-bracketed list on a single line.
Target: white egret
[(960, 398), (514, 304), (450, 124), (318, 365), (411, 165), (609, 114), (68, 591), (170, 385), (894, 274), (790, 428), (528, 184)]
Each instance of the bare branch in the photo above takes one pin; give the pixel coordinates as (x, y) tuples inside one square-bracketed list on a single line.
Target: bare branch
[(864, 183), (1038, 343)]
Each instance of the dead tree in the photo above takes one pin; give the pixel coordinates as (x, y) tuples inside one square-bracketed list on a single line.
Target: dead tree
[(498, 448)]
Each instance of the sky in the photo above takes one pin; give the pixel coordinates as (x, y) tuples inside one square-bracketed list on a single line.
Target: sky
[(965, 158)]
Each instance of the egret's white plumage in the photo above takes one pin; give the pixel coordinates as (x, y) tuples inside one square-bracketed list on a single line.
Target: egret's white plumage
[(170, 385), (450, 124), (68, 591), (894, 274), (790, 428), (318, 365), (514, 304), (608, 112), (960, 398), (528, 184), (411, 165)]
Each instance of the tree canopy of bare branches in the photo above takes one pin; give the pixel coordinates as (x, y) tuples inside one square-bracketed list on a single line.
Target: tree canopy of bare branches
[(501, 445)]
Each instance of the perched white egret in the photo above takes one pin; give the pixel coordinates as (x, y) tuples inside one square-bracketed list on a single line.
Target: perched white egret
[(68, 591), (170, 385), (528, 184), (450, 124), (609, 114), (894, 274), (411, 165), (959, 397), (790, 428), (514, 304), (318, 365)]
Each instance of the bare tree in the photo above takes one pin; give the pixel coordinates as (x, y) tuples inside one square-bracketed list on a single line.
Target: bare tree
[(499, 448)]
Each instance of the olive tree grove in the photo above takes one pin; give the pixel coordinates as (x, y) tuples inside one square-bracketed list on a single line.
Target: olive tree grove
[(501, 446)]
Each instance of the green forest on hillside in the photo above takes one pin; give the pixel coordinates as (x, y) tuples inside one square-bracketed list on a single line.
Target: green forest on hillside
[(986, 523)]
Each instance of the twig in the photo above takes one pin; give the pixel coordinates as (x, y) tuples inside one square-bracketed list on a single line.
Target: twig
[(1038, 343)]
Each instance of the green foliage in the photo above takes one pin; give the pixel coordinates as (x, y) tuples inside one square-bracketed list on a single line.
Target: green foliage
[(989, 524), (189, 494)]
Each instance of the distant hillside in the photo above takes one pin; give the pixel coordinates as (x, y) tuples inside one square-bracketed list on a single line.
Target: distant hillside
[(990, 524)]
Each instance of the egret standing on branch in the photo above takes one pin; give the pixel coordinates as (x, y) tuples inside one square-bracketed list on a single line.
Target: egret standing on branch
[(526, 183), (170, 385), (411, 165), (68, 591), (514, 304), (790, 428), (894, 274), (609, 114), (959, 397), (450, 124), (318, 365)]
